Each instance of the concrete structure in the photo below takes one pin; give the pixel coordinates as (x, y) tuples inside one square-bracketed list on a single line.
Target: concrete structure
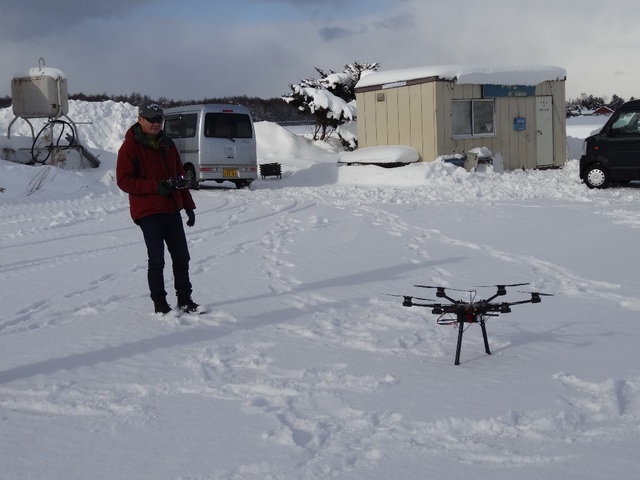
[(517, 112)]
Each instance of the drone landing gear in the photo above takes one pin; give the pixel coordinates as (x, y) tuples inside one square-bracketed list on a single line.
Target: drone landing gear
[(461, 321)]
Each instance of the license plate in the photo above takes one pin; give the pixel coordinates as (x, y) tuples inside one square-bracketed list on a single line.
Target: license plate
[(230, 173)]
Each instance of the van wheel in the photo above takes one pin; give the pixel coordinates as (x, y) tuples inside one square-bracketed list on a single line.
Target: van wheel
[(190, 176), (597, 176), (242, 183)]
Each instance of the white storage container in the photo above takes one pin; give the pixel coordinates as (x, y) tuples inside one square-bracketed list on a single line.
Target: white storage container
[(40, 92)]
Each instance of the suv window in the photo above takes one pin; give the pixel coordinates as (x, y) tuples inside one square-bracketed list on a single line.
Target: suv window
[(181, 126), (227, 125)]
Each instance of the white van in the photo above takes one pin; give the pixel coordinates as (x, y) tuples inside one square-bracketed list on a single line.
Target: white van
[(216, 142)]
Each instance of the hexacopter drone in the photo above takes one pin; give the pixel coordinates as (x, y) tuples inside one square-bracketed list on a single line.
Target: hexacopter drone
[(461, 312)]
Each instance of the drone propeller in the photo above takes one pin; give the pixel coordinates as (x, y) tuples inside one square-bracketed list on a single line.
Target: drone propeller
[(410, 296), (441, 288), (444, 288), (407, 300), (535, 296), (501, 289)]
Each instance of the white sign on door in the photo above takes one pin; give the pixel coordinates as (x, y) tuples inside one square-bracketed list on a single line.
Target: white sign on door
[(544, 131)]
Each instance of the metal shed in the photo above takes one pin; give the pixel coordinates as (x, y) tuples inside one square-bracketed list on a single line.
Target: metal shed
[(517, 112)]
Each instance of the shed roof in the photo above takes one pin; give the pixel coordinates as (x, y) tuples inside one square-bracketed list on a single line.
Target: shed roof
[(467, 74)]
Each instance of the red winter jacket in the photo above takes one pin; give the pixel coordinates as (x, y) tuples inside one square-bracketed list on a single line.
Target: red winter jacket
[(141, 167)]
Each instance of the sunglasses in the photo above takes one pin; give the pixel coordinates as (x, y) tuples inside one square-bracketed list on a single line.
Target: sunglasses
[(158, 119)]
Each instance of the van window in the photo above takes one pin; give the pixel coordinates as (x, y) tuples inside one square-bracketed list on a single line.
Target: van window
[(181, 126), (626, 123), (227, 125)]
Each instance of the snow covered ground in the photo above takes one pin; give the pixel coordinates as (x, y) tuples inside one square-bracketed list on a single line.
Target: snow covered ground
[(304, 367)]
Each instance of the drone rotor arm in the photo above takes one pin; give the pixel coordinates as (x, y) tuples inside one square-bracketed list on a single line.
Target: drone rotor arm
[(498, 294), (427, 305), (441, 293), (520, 302)]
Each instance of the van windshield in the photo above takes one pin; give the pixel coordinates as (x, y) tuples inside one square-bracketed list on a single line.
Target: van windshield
[(227, 125)]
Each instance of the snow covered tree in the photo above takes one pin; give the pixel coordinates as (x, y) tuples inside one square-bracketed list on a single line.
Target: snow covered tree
[(615, 102), (330, 98)]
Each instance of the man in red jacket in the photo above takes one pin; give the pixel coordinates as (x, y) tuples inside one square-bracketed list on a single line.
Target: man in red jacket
[(149, 169)]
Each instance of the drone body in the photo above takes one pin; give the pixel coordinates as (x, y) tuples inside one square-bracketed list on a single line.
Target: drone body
[(462, 312)]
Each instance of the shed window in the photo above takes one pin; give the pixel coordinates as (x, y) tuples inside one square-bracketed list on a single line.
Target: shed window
[(473, 118)]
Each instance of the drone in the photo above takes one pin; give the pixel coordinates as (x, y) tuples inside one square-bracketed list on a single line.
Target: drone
[(461, 312)]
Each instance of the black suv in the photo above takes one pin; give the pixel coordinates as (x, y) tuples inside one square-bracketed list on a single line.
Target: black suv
[(613, 154)]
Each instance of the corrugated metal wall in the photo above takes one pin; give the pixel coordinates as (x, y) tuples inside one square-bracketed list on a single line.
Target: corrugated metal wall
[(420, 116)]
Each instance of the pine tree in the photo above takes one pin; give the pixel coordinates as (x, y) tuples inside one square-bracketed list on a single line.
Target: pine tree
[(330, 98)]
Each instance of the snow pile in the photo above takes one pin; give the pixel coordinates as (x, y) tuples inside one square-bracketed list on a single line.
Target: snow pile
[(304, 367), (381, 154), (101, 126)]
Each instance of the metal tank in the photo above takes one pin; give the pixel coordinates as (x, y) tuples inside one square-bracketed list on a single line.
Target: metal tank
[(40, 92)]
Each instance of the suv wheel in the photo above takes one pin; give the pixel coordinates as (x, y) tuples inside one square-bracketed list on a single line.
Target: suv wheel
[(596, 176)]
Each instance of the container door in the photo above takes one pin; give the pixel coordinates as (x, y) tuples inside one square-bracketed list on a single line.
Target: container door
[(544, 131)]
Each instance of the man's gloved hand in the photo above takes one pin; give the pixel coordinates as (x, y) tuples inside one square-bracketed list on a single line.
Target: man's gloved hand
[(191, 217), (165, 187)]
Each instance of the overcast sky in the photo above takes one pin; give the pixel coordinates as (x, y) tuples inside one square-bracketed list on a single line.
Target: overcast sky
[(191, 49)]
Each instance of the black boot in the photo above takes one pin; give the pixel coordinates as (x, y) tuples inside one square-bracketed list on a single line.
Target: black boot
[(186, 304), (161, 305)]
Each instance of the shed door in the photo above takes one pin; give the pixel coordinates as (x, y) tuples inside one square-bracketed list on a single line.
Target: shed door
[(544, 131)]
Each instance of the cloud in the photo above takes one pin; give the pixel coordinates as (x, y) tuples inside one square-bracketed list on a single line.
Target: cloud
[(198, 48), (393, 23), (397, 22), (38, 18), (334, 33), (337, 33), (310, 3)]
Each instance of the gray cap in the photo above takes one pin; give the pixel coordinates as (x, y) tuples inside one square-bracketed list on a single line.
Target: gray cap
[(150, 110)]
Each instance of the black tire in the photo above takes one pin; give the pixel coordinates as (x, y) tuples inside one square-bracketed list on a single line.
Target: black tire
[(597, 176), (190, 176), (242, 183)]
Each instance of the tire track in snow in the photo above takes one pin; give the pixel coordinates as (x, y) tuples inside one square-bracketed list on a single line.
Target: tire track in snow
[(54, 217)]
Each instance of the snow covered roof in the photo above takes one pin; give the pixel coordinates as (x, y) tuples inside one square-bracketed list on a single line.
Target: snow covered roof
[(467, 74), (40, 72)]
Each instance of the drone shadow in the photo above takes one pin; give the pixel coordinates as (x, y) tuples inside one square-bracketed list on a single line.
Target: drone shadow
[(557, 335), (201, 334), (393, 272)]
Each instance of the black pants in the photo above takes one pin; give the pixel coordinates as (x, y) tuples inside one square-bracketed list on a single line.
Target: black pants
[(157, 230)]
